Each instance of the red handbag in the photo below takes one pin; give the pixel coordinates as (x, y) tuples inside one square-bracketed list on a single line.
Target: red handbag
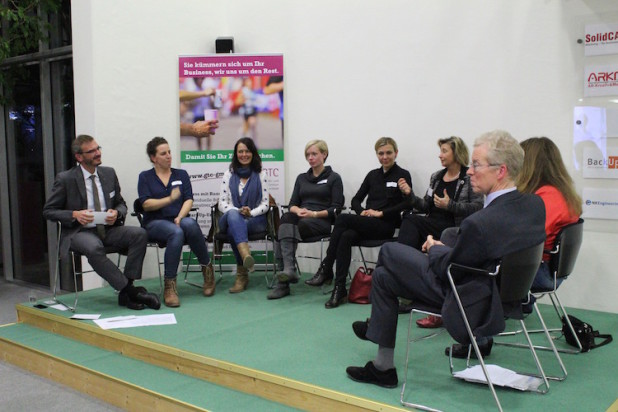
[(360, 288)]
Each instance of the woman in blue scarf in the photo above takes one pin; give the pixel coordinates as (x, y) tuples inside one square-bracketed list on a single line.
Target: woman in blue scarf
[(243, 200)]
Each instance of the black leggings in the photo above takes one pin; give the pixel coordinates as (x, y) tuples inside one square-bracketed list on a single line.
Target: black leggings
[(348, 230), (307, 226)]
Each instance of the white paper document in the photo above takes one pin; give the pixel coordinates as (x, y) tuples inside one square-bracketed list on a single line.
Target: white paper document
[(99, 219), (119, 322), (500, 376)]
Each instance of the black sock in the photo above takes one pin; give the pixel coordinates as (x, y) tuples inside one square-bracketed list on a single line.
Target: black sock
[(130, 290)]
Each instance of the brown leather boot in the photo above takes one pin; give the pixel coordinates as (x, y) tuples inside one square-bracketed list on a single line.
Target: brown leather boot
[(170, 295), (245, 254), (209, 280), (242, 280)]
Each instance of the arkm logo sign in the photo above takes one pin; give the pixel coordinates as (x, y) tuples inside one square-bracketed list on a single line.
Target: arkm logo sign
[(602, 76)]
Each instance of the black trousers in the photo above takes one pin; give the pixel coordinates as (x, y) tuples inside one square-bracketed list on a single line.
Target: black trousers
[(348, 230), (415, 229), (308, 226)]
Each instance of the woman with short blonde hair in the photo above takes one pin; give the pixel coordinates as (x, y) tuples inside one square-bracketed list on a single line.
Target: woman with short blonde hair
[(316, 200)]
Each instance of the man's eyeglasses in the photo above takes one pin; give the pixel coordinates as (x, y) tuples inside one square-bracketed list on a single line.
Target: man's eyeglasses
[(477, 166), (91, 151)]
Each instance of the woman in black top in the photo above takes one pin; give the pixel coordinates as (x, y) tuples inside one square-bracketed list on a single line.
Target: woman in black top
[(316, 200), (449, 199), (377, 220)]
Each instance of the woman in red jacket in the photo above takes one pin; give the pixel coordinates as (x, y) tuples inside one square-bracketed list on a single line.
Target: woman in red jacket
[(544, 174)]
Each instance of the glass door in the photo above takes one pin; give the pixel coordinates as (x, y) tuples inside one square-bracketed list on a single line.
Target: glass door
[(27, 180)]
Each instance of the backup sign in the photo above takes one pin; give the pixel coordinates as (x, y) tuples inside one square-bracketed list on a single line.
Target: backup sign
[(600, 165)]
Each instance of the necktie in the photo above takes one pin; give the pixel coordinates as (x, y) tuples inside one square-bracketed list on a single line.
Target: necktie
[(97, 205)]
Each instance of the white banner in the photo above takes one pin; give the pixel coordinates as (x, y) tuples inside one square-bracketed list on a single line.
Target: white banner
[(599, 165), (600, 203), (601, 80), (601, 39)]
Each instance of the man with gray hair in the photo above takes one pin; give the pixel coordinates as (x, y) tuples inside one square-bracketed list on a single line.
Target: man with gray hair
[(509, 222), (79, 192)]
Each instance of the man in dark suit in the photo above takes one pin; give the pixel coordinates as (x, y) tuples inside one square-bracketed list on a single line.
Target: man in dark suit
[(90, 187), (509, 222)]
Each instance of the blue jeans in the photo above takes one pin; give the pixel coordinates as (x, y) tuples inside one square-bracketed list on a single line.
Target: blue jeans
[(544, 279), (175, 237), (239, 227)]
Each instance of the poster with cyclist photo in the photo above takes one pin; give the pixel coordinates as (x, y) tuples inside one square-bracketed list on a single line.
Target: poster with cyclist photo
[(244, 94)]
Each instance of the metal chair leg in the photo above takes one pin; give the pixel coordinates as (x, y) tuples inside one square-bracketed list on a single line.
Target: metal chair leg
[(405, 380)]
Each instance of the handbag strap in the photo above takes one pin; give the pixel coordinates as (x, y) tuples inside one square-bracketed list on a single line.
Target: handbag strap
[(606, 339)]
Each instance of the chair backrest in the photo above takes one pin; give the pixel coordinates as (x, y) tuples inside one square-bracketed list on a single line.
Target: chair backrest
[(138, 211), (517, 272), (566, 247)]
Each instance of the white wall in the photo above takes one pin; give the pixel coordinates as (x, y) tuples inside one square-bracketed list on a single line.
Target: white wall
[(354, 71)]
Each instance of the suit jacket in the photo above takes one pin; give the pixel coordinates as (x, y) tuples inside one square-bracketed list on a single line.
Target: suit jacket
[(510, 223), (69, 194)]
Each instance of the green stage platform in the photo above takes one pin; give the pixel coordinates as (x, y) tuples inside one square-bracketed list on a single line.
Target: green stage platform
[(229, 351)]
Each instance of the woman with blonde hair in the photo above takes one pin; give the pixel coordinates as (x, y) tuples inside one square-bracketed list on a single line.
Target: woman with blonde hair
[(545, 174), (448, 200), (316, 200)]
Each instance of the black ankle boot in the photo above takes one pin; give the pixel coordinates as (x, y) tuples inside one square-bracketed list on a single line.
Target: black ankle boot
[(339, 296), (324, 275)]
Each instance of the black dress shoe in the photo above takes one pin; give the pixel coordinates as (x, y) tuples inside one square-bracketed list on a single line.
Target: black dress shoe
[(360, 329), (370, 374), (149, 299), (461, 351), (124, 300), (339, 296), (324, 275)]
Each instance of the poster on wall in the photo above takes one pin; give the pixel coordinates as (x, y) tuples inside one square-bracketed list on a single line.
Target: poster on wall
[(245, 94), (601, 80), (601, 39), (595, 128), (599, 165), (600, 203)]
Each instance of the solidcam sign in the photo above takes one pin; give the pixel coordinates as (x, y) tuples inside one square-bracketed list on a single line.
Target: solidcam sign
[(601, 39)]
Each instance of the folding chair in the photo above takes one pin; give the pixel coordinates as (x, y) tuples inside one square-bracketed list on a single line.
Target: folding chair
[(517, 271), (76, 262), (267, 236), (561, 263), (417, 307), (371, 243)]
